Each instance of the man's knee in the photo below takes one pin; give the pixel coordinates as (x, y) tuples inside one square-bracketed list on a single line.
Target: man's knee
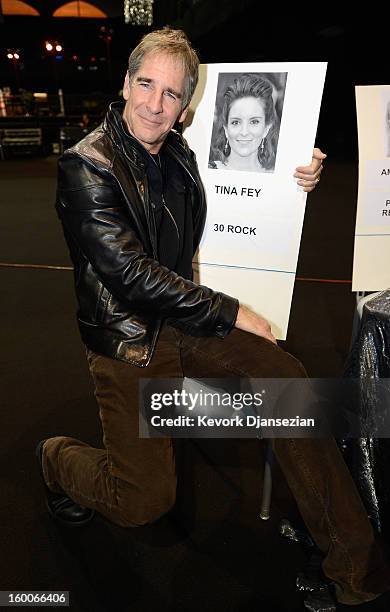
[(288, 366), (263, 359), (274, 362), (146, 505)]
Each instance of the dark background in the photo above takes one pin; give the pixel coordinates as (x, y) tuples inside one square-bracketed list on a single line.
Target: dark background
[(354, 43)]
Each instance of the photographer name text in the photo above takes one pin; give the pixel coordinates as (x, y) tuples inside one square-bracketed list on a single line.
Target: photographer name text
[(235, 421)]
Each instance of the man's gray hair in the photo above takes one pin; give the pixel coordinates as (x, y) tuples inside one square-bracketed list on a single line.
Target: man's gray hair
[(174, 43)]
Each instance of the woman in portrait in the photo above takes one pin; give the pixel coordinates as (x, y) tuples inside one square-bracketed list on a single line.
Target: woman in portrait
[(248, 127)]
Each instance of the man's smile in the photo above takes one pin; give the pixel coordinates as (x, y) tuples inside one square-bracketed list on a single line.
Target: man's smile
[(149, 121)]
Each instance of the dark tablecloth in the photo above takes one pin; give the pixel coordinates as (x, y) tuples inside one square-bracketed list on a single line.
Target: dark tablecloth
[(369, 458)]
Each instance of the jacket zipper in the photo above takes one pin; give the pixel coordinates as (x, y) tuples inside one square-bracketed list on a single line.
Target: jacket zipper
[(202, 207), (158, 164), (172, 217)]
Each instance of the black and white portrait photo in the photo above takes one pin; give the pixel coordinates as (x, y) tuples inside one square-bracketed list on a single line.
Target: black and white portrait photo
[(247, 116), (387, 126)]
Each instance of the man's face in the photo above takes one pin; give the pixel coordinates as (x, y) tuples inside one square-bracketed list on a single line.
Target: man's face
[(154, 99)]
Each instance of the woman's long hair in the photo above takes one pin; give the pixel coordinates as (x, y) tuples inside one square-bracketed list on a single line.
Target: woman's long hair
[(245, 86)]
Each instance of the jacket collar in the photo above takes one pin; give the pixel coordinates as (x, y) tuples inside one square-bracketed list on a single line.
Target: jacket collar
[(116, 129)]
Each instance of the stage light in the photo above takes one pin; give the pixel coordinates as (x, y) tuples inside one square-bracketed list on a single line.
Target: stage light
[(13, 55)]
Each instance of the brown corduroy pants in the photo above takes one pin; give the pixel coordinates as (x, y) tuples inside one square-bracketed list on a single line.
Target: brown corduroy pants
[(132, 481)]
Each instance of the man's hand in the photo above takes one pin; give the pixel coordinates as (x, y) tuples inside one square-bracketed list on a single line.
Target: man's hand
[(309, 176), (249, 321)]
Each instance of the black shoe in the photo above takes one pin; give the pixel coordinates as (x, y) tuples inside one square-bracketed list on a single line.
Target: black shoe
[(60, 506), (318, 590), (320, 601), (312, 578)]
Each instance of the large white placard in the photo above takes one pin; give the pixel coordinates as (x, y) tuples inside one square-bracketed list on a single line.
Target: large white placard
[(372, 235), (251, 240)]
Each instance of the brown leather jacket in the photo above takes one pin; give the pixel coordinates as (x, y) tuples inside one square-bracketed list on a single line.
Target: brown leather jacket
[(123, 292)]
